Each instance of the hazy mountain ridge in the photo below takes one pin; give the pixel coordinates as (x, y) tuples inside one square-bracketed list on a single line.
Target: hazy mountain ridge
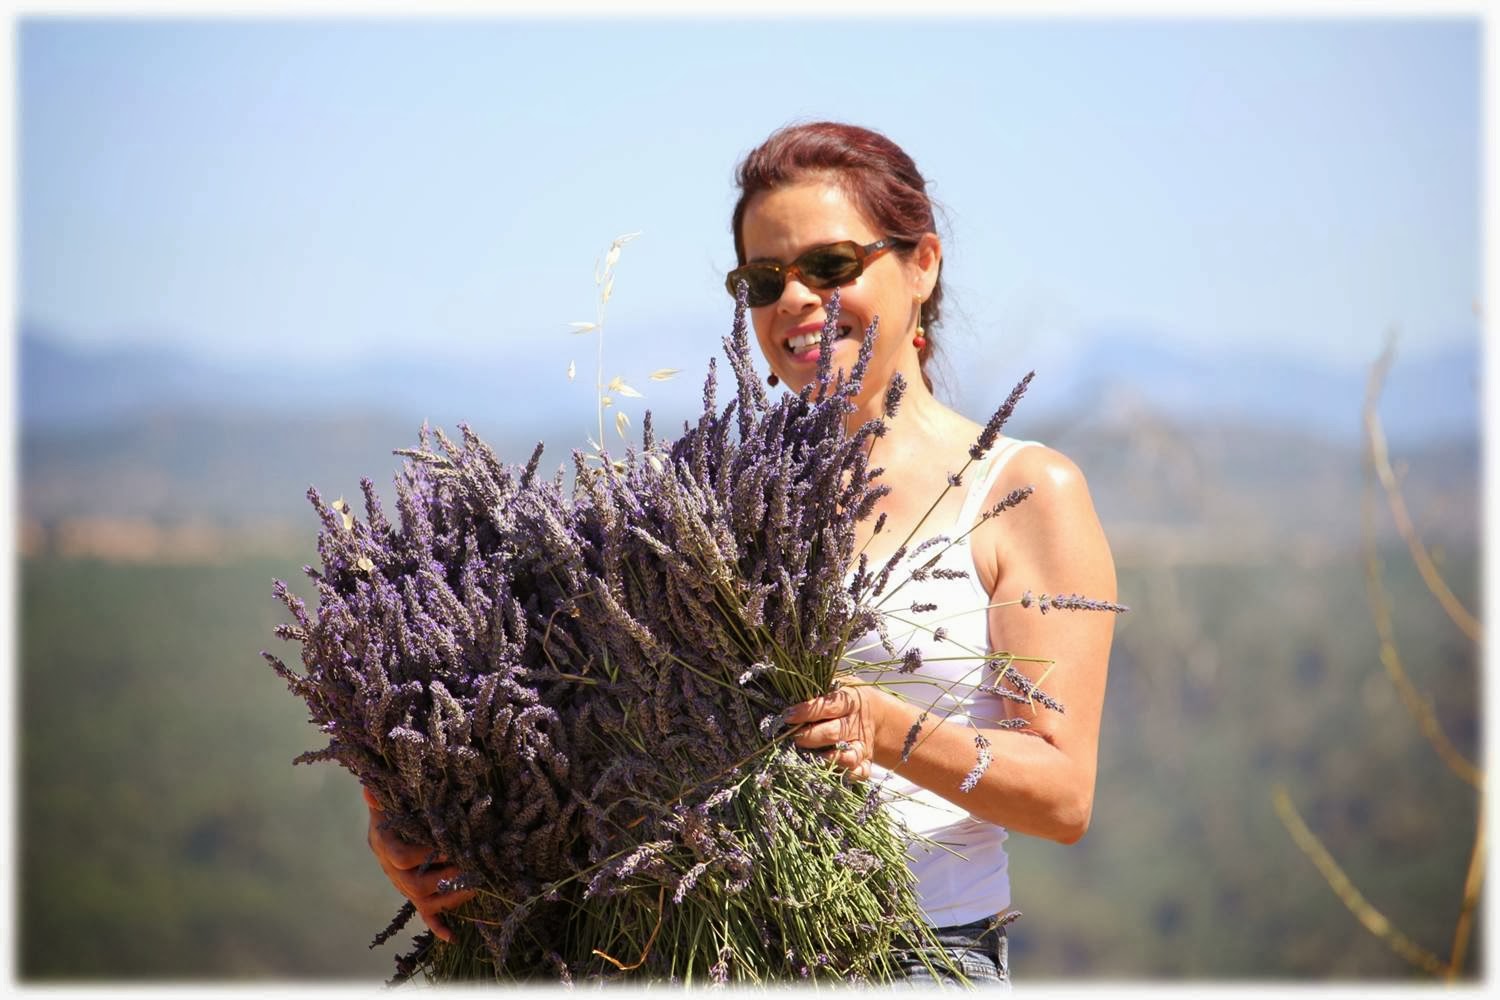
[(63, 386), (1427, 397)]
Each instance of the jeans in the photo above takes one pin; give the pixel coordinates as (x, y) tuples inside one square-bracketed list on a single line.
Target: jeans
[(980, 951)]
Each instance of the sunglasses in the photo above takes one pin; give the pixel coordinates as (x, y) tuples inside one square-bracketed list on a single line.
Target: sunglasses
[(821, 267)]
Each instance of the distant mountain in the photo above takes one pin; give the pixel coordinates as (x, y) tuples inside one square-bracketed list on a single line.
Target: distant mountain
[(209, 466), (1111, 375), (62, 386), (1427, 397)]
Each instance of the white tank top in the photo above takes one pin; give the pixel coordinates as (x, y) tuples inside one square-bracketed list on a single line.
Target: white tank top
[(962, 875)]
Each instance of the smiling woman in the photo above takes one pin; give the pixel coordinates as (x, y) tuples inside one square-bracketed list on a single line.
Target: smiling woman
[(811, 186), (831, 209)]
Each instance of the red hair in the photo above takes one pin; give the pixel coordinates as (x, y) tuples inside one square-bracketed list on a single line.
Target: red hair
[(873, 172)]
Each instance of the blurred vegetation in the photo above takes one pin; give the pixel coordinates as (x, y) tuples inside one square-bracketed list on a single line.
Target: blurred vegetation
[(164, 834), (1224, 682)]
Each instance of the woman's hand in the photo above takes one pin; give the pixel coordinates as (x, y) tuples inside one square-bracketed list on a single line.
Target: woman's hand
[(845, 721), (402, 863)]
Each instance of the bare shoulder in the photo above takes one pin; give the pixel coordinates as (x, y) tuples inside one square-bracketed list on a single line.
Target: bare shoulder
[(1055, 479), (1054, 532)]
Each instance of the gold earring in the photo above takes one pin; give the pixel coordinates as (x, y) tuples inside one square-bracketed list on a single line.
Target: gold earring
[(920, 340)]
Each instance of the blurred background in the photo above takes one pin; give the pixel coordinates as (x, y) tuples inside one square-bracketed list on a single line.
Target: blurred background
[(255, 255)]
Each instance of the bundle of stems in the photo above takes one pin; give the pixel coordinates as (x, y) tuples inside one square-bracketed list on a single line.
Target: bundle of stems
[(578, 698)]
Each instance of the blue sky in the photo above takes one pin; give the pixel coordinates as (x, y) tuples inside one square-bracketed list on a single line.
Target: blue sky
[(317, 189)]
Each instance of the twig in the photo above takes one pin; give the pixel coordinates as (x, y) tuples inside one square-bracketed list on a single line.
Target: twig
[(661, 913), (1375, 922), (1419, 706), (1471, 898), (1381, 461)]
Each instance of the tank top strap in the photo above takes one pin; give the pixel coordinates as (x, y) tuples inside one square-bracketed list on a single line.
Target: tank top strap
[(984, 482)]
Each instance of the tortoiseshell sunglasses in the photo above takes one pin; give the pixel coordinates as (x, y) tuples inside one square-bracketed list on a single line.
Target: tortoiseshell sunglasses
[(820, 267)]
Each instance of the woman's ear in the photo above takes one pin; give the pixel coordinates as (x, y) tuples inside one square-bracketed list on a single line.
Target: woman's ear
[(928, 259)]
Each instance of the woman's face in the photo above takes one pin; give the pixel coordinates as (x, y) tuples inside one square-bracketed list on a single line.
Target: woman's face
[(783, 223)]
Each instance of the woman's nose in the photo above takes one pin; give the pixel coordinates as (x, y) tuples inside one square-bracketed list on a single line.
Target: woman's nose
[(795, 296)]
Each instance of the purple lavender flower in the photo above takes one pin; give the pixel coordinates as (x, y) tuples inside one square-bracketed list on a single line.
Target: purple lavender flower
[(991, 430), (893, 395), (971, 780), (911, 737), (1077, 602)]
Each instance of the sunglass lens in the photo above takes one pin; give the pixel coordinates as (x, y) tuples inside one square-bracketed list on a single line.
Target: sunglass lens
[(830, 266), (766, 284)]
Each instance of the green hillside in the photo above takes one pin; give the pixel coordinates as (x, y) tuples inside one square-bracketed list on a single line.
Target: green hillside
[(165, 835)]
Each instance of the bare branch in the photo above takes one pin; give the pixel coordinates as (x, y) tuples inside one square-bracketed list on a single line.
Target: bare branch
[(1472, 881), (1419, 706), (1375, 922), (1381, 461)]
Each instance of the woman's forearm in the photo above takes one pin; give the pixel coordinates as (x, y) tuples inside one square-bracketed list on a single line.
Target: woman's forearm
[(1030, 786)]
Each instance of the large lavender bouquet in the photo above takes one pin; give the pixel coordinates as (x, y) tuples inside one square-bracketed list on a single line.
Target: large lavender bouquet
[(576, 698)]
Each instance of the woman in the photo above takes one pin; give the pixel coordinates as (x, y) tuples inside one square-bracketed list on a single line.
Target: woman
[(825, 206)]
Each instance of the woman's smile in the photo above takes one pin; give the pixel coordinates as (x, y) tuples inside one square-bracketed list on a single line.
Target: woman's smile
[(804, 342)]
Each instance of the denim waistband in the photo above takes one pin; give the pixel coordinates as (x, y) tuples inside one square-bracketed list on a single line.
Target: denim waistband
[(979, 949)]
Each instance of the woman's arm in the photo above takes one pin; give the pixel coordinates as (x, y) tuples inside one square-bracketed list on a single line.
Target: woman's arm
[(1040, 780)]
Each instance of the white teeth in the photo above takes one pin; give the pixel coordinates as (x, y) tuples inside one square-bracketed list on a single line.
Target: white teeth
[(807, 339)]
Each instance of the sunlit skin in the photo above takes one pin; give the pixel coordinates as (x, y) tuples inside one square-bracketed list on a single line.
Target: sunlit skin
[(1040, 780)]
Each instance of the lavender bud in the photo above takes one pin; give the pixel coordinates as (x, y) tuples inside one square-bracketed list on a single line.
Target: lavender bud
[(911, 737), (991, 430), (407, 911), (1010, 500), (719, 971), (972, 778), (857, 860), (1077, 602), (893, 394), (756, 670), (771, 723)]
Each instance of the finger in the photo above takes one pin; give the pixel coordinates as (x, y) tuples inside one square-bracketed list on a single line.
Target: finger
[(849, 757), (437, 925), (387, 844), (424, 888), (390, 846), (431, 911), (437, 922), (835, 703), (820, 734)]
